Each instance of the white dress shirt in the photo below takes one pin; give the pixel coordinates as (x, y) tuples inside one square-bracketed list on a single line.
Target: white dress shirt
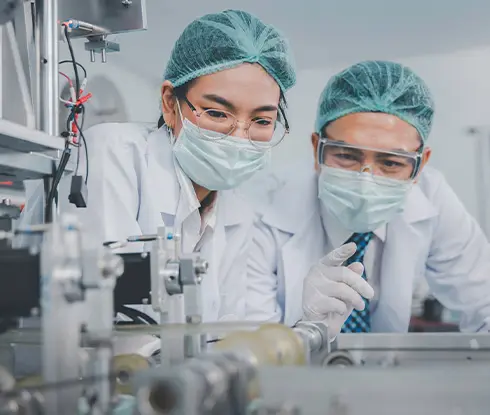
[(337, 235)]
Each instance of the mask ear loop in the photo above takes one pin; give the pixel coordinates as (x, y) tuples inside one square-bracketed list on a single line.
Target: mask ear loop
[(171, 134)]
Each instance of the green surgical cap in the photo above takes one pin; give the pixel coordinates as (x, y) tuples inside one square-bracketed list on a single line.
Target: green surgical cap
[(227, 39), (377, 86)]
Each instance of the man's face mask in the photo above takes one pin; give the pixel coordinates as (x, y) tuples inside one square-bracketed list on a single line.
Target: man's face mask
[(363, 196)]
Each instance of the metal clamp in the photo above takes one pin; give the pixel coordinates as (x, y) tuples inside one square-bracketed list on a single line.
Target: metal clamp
[(315, 338)]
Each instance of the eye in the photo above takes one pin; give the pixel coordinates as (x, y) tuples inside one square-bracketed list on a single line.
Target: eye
[(347, 156), (392, 163), (216, 113), (263, 122)]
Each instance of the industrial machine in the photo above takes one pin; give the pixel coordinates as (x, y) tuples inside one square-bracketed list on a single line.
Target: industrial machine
[(247, 368)]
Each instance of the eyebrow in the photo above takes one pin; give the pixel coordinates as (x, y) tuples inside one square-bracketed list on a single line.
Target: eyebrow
[(223, 101)]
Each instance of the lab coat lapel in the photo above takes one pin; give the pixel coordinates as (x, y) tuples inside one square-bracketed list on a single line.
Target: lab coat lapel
[(212, 251), (299, 254), (162, 178), (402, 253), (299, 216)]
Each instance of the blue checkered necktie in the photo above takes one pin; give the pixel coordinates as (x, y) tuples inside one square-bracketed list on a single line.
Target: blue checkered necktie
[(359, 321)]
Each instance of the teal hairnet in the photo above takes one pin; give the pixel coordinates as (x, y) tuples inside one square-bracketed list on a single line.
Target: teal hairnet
[(377, 86), (227, 39)]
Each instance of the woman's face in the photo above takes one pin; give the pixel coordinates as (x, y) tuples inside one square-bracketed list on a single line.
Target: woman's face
[(247, 91)]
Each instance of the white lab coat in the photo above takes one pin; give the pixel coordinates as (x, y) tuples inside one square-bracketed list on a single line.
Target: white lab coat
[(133, 185), (435, 237)]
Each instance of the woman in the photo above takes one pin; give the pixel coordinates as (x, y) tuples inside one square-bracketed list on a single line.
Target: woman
[(222, 111)]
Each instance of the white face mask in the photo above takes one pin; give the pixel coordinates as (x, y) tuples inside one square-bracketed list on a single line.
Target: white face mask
[(357, 201), (217, 164)]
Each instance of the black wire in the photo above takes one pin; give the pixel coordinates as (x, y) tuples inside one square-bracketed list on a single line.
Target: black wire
[(76, 63), (75, 109), (85, 148), (56, 180)]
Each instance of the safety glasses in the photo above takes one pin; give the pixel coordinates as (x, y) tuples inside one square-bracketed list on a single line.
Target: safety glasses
[(393, 164), (262, 132)]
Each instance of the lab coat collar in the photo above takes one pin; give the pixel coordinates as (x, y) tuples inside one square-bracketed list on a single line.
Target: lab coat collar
[(162, 172), (296, 200), (167, 176)]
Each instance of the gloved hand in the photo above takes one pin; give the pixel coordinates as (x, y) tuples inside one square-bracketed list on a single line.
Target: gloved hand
[(332, 291)]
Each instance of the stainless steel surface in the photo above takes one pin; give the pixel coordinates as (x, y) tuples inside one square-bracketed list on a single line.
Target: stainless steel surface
[(413, 349), (27, 153), (176, 294), (20, 138), (100, 272), (62, 314), (47, 19), (24, 32), (413, 341), (113, 15), (448, 390), (100, 44), (21, 80), (32, 335)]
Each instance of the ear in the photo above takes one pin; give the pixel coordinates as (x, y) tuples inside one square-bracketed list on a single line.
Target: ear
[(425, 158), (314, 142), (169, 109)]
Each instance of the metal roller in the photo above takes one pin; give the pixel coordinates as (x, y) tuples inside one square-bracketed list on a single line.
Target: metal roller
[(339, 358)]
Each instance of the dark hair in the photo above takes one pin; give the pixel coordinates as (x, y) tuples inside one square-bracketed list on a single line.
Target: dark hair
[(181, 92)]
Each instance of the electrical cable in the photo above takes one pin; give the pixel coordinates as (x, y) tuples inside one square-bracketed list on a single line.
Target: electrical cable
[(77, 108), (76, 63)]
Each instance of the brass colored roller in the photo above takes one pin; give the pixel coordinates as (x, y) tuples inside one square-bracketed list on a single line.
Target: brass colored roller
[(125, 366)]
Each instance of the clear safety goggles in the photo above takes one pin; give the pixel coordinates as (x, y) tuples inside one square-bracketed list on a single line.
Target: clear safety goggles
[(393, 164), (262, 132)]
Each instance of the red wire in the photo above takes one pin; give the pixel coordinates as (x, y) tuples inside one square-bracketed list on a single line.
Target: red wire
[(67, 78)]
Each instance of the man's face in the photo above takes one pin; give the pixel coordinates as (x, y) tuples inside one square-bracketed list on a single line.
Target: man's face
[(378, 131)]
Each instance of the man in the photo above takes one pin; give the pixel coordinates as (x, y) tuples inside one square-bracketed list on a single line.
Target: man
[(370, 200)]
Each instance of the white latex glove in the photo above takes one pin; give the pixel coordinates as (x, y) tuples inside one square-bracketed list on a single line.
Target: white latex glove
[(332, 291)]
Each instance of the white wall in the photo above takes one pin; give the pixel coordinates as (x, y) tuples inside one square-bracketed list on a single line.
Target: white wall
[(139, 93), (460, 83)]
